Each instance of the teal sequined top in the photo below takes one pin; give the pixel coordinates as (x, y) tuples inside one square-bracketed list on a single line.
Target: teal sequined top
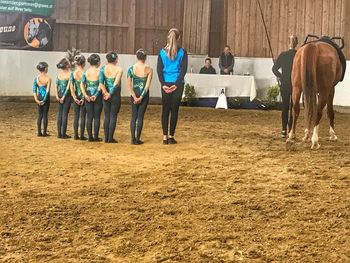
[(77, 88), (62, 87), (91, 87), (108, 82), (138, 83), (40, 90)]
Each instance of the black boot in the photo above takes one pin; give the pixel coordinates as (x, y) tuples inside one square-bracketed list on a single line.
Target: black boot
[(172, 140)]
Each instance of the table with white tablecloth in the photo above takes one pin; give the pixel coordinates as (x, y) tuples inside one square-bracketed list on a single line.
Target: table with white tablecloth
[(210, 86)]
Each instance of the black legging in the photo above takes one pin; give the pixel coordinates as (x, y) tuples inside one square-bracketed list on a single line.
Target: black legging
[(43, 116), (287, 117), (111, 108), (79, 114), (137, 115), (62, 116), (93, 112), (171, 103)]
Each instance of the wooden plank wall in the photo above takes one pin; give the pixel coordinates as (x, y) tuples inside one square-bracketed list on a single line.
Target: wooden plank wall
[(196, 26), (154, 18), (218, 27), (124, 25), (92, 26), (245, 32)]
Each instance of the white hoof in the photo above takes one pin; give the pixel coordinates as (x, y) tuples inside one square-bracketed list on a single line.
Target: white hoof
[(333, 138), (315, 146), (290, 145), (306, 136), (291, 136)]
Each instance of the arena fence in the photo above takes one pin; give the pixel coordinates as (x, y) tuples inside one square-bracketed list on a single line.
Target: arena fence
[(20, 71)]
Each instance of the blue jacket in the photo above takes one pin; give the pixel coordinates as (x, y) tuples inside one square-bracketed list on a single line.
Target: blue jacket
[(172, 71)]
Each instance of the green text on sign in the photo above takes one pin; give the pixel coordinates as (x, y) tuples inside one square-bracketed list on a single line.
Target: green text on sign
[(35, 7)]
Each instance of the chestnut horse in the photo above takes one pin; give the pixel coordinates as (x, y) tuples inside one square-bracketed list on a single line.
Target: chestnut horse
[(316, 71)]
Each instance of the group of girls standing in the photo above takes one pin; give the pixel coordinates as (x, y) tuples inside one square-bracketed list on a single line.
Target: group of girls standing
[(99, 88)]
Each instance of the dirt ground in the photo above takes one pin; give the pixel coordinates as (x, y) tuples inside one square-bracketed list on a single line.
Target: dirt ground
[(228, 192)]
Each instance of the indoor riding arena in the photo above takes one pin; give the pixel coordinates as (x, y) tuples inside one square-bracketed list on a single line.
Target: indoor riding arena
[(241, 180)]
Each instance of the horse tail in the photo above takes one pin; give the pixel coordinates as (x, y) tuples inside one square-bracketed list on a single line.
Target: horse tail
[(309, 83)]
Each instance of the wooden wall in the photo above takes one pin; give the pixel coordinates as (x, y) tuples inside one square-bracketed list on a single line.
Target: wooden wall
[(246, 34), (127, 25), (124, 25), (196, 26), (218, 27), (154, 18)]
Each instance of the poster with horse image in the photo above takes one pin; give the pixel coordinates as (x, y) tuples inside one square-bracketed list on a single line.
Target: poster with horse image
[(23, 31)]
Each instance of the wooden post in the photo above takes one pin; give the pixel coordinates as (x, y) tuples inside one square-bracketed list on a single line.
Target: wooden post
[(132, 22), (224, 29), (196, 26), (346, 28)]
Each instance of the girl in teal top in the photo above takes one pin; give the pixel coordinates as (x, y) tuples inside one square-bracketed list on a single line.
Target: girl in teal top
[(41, 92), (78, 97), (63, 97), (90, 87), (139, 81), (110, 78)]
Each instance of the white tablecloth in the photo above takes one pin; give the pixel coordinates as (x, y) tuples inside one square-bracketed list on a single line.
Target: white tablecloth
[(209, 86)]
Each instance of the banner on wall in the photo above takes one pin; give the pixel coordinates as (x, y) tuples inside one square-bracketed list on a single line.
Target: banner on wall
[(25, 31), (33, 7)]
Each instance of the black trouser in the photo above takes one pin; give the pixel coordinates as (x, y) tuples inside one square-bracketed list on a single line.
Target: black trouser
[(287, 118), (43, 112), (171, 104), (79, 114), (93, 112), (62, 116), (111, 108), (137, 115)]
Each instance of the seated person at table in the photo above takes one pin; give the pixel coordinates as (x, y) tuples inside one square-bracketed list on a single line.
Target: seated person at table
[(226, 61), (208, 68)]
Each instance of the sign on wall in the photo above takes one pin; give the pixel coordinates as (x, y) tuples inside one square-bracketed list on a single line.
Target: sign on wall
[(25, 31), (34, 7)]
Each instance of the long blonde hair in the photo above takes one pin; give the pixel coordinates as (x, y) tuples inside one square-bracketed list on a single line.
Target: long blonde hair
[(172, 43), (293, 41)]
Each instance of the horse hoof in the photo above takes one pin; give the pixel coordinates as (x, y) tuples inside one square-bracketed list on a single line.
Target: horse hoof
[(290, 145), (306, 139), (333, 138), (315, 146)]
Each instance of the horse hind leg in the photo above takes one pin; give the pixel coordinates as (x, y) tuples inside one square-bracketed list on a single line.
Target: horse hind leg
[(295, 112), (314, 140), (330, 112), (333, 137), (306, 137)]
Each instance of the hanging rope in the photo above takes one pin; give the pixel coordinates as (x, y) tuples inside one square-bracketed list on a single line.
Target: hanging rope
[(267, 33)]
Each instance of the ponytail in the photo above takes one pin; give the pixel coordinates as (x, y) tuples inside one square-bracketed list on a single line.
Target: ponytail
[(293, 41), (172, 43)]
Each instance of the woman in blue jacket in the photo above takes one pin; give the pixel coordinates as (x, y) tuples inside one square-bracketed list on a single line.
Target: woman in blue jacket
[(171, 68)]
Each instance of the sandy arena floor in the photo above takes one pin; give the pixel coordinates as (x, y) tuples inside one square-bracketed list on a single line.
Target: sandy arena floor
[(228, 192)]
